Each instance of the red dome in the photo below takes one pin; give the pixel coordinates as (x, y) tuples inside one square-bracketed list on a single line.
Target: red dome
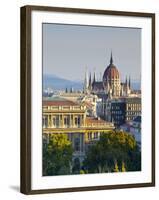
[(111, 72)]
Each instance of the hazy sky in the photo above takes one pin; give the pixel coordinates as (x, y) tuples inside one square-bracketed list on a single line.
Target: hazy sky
[(69, 49)]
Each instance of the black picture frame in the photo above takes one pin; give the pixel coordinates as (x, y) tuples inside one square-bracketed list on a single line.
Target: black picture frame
[(26, 85)]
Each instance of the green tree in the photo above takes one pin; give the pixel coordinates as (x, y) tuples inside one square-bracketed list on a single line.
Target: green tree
[(76, 166), (116, 169), (57, 155), (123, 169), (82, 171), (113, 146)]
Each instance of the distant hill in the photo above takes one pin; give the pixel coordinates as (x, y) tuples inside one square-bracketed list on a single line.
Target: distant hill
[(136, 85), (57, 83)]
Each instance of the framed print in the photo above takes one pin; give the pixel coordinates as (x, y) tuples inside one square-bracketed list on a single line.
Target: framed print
[(87, 99)]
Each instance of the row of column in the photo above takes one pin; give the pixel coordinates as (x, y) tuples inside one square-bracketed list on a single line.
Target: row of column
[(59, 120)]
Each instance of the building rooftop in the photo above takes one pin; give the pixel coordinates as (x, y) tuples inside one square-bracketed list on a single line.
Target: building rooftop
[(126, 99), (58, 101), (97, 85), (133, 100), (93, 120)]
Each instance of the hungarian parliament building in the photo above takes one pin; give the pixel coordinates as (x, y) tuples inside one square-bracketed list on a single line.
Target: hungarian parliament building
[(111, 84), (102, 106)]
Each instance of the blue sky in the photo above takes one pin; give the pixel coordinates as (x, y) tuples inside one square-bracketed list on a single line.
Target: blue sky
[(69, 49)]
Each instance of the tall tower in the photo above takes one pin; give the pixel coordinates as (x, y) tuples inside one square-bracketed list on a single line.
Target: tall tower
[(94, 79), (126, 81), (90, 83), (127, 86), (129, 83), (85, 88)]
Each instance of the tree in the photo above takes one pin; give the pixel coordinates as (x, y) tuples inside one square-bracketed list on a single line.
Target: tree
[(116, 169), (123, 169), (82, 171), (57, 155), (76, 166), (116, 146)]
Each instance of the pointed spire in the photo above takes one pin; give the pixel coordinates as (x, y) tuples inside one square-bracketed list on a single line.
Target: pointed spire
[(86, 80), (90, 81), (129, 83), (94, 79), (111, 58), (126, 81)]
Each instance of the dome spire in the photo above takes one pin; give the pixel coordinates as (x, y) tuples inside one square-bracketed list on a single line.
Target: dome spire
[(111, 58)]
